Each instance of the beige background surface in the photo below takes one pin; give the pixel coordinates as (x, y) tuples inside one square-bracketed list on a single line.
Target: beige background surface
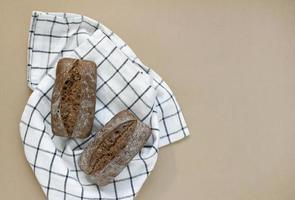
[(230, 63)]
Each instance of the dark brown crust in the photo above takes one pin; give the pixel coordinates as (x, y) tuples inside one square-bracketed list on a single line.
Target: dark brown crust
[(73, 98), (109, 147), (114, 146)]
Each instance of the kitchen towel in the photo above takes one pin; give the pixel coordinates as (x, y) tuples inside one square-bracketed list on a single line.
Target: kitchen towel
[(123, 82)]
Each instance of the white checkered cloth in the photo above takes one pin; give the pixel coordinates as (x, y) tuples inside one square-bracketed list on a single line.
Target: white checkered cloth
[(123, 82)]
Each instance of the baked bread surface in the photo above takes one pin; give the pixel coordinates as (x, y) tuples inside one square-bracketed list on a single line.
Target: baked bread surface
[(73, 98), (114, 146)]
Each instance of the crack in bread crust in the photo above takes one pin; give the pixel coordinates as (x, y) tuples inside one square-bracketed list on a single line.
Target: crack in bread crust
[(71, 98), (110, 145)]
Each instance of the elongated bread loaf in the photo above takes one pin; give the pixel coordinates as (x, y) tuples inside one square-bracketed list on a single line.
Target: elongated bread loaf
[(114, 146), (73, 98)]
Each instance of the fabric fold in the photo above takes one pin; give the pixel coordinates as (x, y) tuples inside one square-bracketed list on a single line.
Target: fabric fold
[(123, 82)]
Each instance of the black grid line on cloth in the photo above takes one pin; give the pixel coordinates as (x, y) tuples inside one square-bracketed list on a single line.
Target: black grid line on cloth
[(131, 181), (145, 165), (60, 36), (63, 23), (39, 142), (98, 191), (50, 41), (49, 173), (175, 132), (77, 174), (115, 189), (164, 122), (33, 83), (41, 68), (52, 52), (65, 185), (169, 116), (46, 52)]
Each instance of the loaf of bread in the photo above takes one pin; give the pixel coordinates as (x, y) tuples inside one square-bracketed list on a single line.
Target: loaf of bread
[(113, 147), (73, 98)]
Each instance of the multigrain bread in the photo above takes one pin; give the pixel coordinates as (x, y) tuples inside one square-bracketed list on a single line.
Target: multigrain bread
[(113, 147), (73, 98)]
